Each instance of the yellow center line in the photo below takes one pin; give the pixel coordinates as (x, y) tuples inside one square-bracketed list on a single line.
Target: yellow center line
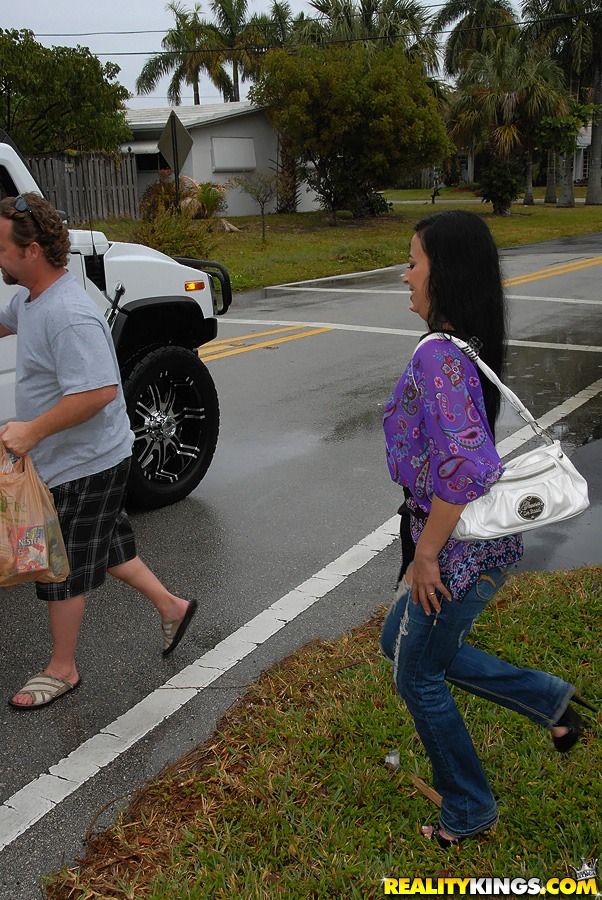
[(552, 272), (226, 342), (282, 340)]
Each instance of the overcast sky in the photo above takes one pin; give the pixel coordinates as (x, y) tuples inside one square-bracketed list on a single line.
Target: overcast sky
[(56, 22), (69, 16)]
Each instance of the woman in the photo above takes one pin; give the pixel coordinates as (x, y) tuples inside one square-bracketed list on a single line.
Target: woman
[(439, 432)]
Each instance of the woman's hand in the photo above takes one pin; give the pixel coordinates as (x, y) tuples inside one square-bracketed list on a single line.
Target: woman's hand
[(427, 587), (426, 583)]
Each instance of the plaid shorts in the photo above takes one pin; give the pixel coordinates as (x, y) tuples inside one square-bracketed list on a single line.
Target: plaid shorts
[(96, 530)]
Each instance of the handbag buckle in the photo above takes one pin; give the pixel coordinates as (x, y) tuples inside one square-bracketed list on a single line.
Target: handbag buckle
[(541, 432), (473, 348)]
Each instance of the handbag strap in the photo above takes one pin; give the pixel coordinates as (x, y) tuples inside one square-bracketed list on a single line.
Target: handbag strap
[(505, 391)]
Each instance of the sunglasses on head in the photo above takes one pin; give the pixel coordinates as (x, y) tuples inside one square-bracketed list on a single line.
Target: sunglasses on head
[(21, 205)]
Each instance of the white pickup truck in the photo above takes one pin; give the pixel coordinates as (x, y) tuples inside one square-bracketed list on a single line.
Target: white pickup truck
[(160, 310)]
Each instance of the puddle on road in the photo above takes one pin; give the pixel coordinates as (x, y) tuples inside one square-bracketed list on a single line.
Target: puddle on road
[(362, 410), (544, 378), (582, 427)]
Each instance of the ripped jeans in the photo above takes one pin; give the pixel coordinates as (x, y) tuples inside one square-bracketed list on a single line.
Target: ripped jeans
[(427, 652)]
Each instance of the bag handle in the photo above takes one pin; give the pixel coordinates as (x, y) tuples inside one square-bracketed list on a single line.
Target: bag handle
[(505, 391)]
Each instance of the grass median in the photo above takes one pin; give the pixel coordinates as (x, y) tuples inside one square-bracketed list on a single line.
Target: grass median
[(304, 245), (291, 799)]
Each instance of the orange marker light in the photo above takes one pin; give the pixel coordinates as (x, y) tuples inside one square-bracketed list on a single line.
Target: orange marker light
[(194, 285)]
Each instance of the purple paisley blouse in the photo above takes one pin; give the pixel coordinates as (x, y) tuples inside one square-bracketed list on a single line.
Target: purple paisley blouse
[(438, 441)]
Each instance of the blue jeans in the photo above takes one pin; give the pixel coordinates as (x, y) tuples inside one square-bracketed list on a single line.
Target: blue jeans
[(427, 652)]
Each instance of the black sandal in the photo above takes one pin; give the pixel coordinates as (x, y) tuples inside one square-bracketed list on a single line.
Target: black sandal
[(572, 720), (444, 843)]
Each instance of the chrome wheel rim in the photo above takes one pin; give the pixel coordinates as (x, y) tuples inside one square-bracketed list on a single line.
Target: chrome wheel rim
[(169, 437)]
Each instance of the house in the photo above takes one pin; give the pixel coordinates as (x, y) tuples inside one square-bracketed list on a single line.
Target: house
[(228, 139)]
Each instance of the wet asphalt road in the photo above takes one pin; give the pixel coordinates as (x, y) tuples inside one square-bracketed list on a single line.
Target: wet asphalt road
[(299, 477)]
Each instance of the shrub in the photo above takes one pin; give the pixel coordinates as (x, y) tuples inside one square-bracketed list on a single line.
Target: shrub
[(201, 201), (205, 200), (158, 196), (369, 203), (500, 183), (176, 234)]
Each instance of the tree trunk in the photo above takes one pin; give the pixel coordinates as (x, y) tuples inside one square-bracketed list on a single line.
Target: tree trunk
[(594, 183), (567, 187), (287, 180), (235, 87), (551, 170), (195, 88), (528, 198)]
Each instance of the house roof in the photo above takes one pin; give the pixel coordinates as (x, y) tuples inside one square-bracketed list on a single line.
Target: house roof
[(154, 119)]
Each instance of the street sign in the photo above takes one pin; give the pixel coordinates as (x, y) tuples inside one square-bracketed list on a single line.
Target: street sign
[(175, 142)]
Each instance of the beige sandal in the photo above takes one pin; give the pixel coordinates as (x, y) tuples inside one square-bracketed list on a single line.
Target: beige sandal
[(44, 689), (173, 632)]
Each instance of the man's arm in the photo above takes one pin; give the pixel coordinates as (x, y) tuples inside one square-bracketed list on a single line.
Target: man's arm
[(73, 409), (5, 332)]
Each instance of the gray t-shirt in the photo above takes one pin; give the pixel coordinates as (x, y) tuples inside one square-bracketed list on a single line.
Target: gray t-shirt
[(64, 346)]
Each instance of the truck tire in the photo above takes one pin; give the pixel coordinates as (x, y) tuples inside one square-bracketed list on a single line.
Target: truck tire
[(174, 413)]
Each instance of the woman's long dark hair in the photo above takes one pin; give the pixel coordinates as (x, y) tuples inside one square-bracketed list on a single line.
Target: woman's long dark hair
[(465, 289)]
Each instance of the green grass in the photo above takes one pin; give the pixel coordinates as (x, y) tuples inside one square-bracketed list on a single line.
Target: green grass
[(305, 246), (448, 194), (445, 194), (290, 797)]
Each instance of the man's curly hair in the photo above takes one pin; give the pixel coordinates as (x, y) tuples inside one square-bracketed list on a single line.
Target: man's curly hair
[(42, 225)]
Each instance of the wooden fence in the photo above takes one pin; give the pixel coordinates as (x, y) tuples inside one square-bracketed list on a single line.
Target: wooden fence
[(89, 187)]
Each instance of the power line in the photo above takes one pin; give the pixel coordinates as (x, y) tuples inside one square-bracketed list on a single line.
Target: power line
[(151, 30), (557, 17), (264, 48)]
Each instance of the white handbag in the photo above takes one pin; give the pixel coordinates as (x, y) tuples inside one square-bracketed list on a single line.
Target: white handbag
[(540, 487)]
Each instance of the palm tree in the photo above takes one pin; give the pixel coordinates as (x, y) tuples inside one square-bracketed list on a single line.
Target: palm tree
[(236, 39), (187, 51), (376, 22), (480, 25), (501, 98), (280, 29), (572, 31)]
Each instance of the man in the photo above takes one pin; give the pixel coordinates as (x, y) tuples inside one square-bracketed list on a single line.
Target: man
[(72, 420)]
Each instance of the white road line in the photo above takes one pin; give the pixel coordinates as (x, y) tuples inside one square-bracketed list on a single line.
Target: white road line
[(404, 332), (354, 290), (384, 269), (40, 796), (336, 326), (516, 440), (324, 290), (572, 300)]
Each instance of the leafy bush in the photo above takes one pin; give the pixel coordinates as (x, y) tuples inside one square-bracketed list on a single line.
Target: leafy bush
[(157, 197), (500, 183), (451, 172), (205, 200), (201, 201), (369, 203), (176, 234)]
